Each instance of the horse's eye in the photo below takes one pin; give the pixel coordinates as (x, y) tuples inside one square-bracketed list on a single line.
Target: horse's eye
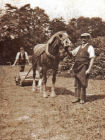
[(60, 35)]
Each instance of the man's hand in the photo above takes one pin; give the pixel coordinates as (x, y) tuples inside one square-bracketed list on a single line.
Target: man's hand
[(87, 71), (13, 65), (30, 64)]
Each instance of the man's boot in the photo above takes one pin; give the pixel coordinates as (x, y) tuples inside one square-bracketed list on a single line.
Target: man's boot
[(83, 95), (77, 94)]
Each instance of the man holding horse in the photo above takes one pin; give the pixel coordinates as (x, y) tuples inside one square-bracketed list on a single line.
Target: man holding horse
[(84, 58)]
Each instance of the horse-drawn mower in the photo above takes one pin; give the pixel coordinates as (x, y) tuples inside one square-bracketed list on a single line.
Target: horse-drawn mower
[(26, 78)]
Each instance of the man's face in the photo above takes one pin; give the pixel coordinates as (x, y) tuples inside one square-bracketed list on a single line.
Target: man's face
[(21, 50), (84, 39)]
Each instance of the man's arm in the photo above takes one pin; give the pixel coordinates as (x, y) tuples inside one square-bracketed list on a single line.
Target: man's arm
[(92, 57), (73, 52), (14, 62), (16, 59), (27, 58)]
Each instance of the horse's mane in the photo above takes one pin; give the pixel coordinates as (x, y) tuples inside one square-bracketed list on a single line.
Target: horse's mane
[(55, 35)]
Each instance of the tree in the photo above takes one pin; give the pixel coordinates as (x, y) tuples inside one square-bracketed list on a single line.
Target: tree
[(22, 27), (56, 25)]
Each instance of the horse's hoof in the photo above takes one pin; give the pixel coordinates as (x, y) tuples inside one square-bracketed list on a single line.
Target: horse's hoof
[(33, 89), (45, 95), (40, 89), (53, 94)]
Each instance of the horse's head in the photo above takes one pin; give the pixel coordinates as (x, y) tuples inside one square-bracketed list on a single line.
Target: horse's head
[(65, 41), (57, 44), (64, 37)]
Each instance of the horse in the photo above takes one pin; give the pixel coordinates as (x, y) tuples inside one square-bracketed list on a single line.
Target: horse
[(47, 56)]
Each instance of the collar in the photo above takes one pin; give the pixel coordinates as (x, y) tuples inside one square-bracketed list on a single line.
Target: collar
[(84, 45), (48, 54)]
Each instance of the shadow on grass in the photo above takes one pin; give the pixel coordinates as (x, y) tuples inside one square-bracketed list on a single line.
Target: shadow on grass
[(62, 91), (95, 97)]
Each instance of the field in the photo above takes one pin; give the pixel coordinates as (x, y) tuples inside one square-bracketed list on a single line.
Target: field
[(25, 115)]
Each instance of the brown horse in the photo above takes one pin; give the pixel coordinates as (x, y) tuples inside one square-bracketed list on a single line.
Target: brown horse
[(47, 56)]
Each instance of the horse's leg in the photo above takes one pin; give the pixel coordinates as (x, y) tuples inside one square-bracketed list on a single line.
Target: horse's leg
[(40, 79), (34, 75), (53, 84), (40, 84), (45, 95)]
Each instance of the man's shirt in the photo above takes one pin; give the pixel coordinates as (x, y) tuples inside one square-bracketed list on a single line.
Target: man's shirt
[(19, 53), (90, 50)]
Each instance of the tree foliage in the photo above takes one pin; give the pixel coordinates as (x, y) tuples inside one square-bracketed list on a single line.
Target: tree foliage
[(56, 25), (22, 27)]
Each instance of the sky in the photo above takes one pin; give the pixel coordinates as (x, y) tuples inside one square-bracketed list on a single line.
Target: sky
[(64, 8)]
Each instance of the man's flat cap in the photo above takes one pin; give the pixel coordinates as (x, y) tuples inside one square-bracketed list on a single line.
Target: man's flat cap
[(85, 34)]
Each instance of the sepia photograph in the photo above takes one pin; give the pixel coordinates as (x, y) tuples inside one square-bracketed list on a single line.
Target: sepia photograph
[(52, 70)]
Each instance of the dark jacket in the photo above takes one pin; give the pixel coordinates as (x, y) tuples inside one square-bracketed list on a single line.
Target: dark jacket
[(81, 65)]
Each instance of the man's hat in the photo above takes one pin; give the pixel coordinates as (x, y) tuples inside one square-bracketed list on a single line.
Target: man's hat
[(21, 48), (85, 35)]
